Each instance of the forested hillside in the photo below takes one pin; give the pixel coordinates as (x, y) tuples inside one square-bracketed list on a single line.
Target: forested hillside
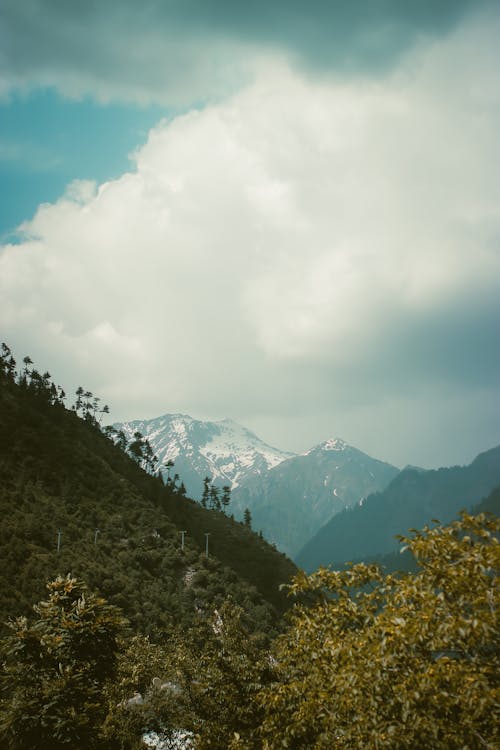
[(413, 499), (65, 484)]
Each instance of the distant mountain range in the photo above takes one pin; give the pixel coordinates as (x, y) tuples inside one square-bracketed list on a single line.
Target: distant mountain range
[(289, 496), (331, 504), (225, 451), (413, 499), (293, 500)]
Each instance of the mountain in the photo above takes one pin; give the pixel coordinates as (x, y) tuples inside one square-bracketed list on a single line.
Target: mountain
[(404, 561), (291, 501), (289, 496), (225, 451), (72, 500), (411, 500)]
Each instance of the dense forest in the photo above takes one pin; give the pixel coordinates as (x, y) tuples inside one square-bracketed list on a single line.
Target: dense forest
[(159, 617)]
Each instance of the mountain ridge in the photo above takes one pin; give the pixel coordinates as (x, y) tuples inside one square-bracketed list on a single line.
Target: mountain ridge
[(289, 495), (411, 500)]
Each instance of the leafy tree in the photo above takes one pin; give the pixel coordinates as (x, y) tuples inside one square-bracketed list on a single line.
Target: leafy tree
[(395, 661), (7, 362), (206, 492), (214, 672), (55, 669), (168, 465), (226, 497), (214, 498), (136, 447), (79, 398)]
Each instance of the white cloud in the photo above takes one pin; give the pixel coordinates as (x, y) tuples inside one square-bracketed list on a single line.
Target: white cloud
[(302, 248)]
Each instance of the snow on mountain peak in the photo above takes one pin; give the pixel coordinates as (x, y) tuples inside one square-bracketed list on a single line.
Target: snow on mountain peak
[(332, 444), (224, 450)]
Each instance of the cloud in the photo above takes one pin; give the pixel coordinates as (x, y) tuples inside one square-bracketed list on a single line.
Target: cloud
[(311, 252), (181, 52)]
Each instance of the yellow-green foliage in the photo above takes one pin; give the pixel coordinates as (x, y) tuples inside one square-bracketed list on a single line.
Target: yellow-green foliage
[(395, 662), (54, 671)]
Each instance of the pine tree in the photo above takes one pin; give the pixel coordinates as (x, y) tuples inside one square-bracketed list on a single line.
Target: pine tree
[(206, 492), (226, 497)]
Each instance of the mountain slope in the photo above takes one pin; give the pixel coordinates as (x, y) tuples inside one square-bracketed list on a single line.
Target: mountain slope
[(412, 499), (225, 451), (294, 499), (289, 496), (62, 481)]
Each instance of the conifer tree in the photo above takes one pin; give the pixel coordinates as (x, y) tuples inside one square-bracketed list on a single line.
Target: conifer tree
[(226, 497)]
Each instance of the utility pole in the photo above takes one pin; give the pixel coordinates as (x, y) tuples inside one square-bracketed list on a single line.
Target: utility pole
[(207, 534), (183, 534), (97, 532), (59, 541)]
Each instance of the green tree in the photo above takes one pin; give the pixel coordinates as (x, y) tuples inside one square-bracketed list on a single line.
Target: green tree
[(398, 662), (247, 518), (226, 497), (215, 671), (206, 492), (136, 447), (55, 670), (214, 498)]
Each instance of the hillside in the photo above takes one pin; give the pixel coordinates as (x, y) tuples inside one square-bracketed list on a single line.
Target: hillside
[(403, 560), (119, 527), (411, 500)]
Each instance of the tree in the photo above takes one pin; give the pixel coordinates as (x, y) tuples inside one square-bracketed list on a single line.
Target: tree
[(136, 447), (206, 492), (394, 661), (215, 671), (55, 669), (247, 518), (7, 362), (79, 398), (226, 497), (214, 498), (168, 465)]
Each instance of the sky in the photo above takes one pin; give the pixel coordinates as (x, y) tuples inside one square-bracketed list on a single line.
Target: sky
[(284, 213)]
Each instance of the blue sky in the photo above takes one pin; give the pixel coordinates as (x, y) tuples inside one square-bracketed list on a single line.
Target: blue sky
[(47, 140), (283, 213)]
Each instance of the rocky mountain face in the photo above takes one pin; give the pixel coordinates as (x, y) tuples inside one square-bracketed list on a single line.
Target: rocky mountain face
[(293, 500), (289, 496), (413, 499), (225, 451)]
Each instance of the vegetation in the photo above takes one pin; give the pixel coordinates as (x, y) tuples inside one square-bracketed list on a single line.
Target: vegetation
[(366, 659), (65, 483), (395, 662), (56, 668), (411, 500)]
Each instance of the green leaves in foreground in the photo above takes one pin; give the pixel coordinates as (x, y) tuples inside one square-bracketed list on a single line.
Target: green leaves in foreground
[(371, 662), (395, 662), (55, 669)]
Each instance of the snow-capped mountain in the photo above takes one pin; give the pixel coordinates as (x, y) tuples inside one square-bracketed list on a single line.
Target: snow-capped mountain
[(289, 496), (294, 499), (225, 451)]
